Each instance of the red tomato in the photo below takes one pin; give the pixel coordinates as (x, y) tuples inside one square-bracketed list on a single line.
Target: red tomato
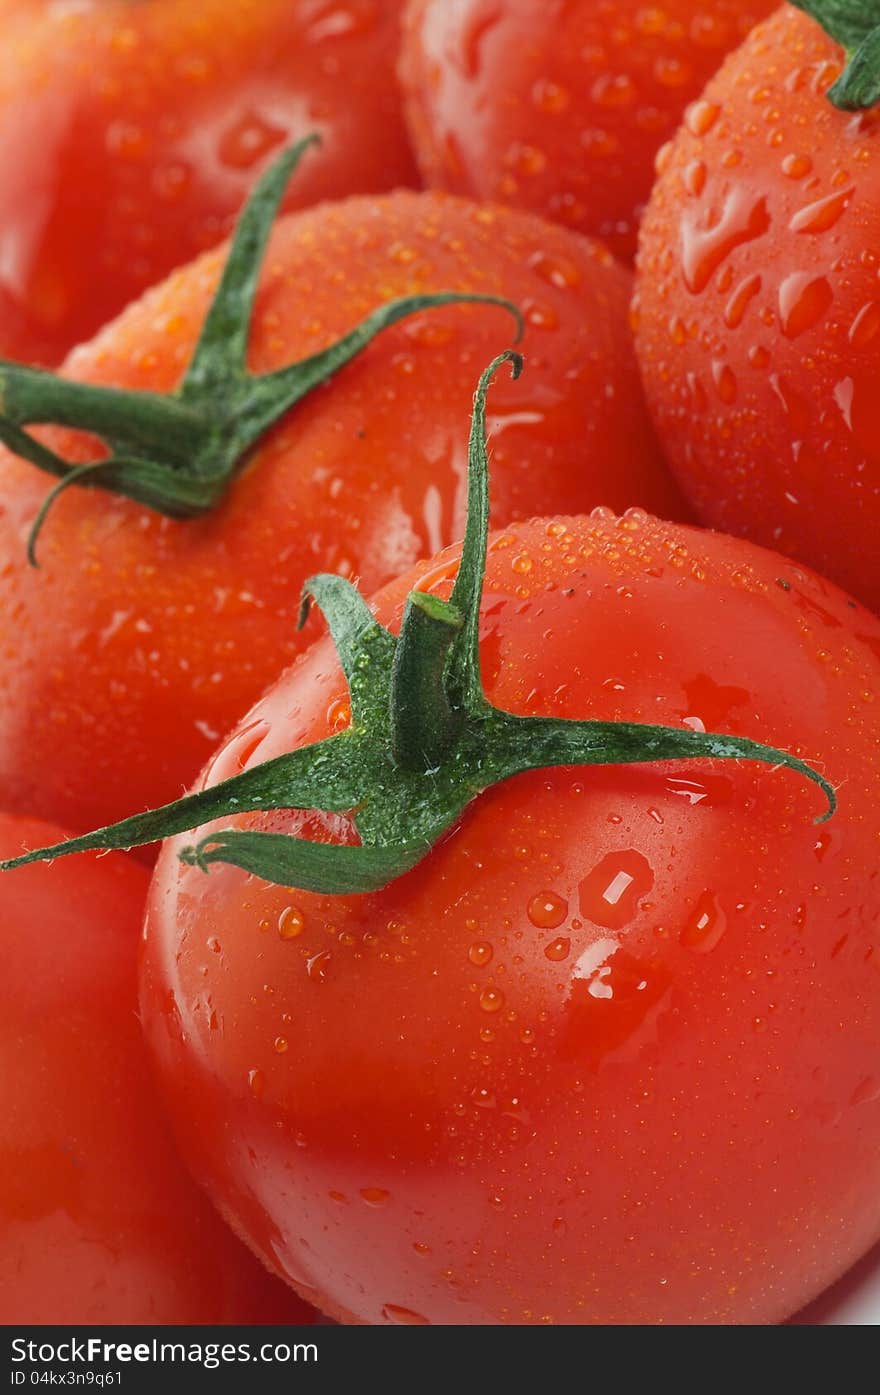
[(560, 105), (130, 134), (98, 1220), (758, 306), (609, 1054), (141, 640)]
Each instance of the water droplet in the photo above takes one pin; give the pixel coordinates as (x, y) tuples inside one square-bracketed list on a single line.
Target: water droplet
[(491, 1000), (867, 1092), (547, 910), (865, 325), (725, 381), (705, 926), (694, 177), (738, 304), (797, 166), (705, 248), (821, 215), (374, 1196), (558, 949), (610, 895), (549, 96), (701, 116), (480, 953), (256, 1083), (556, 270), (405, 1317), (803, 300), (250, 137), (214, 945), (317, 966), (290, 923)]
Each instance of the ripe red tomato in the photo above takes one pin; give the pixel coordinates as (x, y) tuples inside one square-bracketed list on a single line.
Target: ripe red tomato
[(141, 640), (130, 134), (560, 106), (758, 307), (98, 1220), (570, 1068)]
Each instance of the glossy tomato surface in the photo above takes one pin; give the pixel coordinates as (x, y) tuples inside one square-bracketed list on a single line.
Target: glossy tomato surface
[(141, 641), (99, 1222), (130, 135), (758, 311), (560, 105), (607, 1056)]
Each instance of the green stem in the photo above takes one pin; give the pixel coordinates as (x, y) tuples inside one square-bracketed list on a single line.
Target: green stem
[(177, 453), (423, 742), (424, 724)]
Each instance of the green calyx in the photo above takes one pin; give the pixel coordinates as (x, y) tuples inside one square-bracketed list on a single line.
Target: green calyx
[(177, 453), (855, 24), (423, 742)]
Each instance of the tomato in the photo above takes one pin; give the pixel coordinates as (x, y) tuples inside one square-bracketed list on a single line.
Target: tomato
[(560, 106), (608, 1055), (129, 136), (757, 308), (98, 1220), (141, 640)]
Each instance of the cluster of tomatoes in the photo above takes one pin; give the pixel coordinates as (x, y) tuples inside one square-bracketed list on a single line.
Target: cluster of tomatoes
[(610, 1053)]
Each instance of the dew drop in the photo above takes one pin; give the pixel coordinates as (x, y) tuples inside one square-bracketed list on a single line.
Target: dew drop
[(865, 325), (480, 953), (803, 300), (491, 1000), (704, 249), (558, 949), (705, 926), (547, 910), (290, 923), (317, 966), (405, 1317), (610, 894), (818, 217), (374, 1196)]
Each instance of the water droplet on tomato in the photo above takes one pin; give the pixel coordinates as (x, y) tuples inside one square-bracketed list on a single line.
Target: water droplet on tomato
[(738, 304), (250, 137), (803, 300), (701, 116), (318, 965), (865, 325), (822, 214), (706, 244), (256, 1083), (547, 910), (491, 1000), (610, 895), (480, 953), (556, 269), (374, 1196), (705, 926), (558, 949), (405, 1317), (290, 923)]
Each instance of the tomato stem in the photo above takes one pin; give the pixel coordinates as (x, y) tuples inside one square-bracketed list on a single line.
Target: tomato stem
[(855, 25), (424, 722), (423, 740), (177, 453)]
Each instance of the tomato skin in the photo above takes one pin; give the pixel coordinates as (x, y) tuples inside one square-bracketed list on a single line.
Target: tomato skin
[(141, 641), (569, 1068), (98, 1220), (757, 333), (559, 107), (131, 135)]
